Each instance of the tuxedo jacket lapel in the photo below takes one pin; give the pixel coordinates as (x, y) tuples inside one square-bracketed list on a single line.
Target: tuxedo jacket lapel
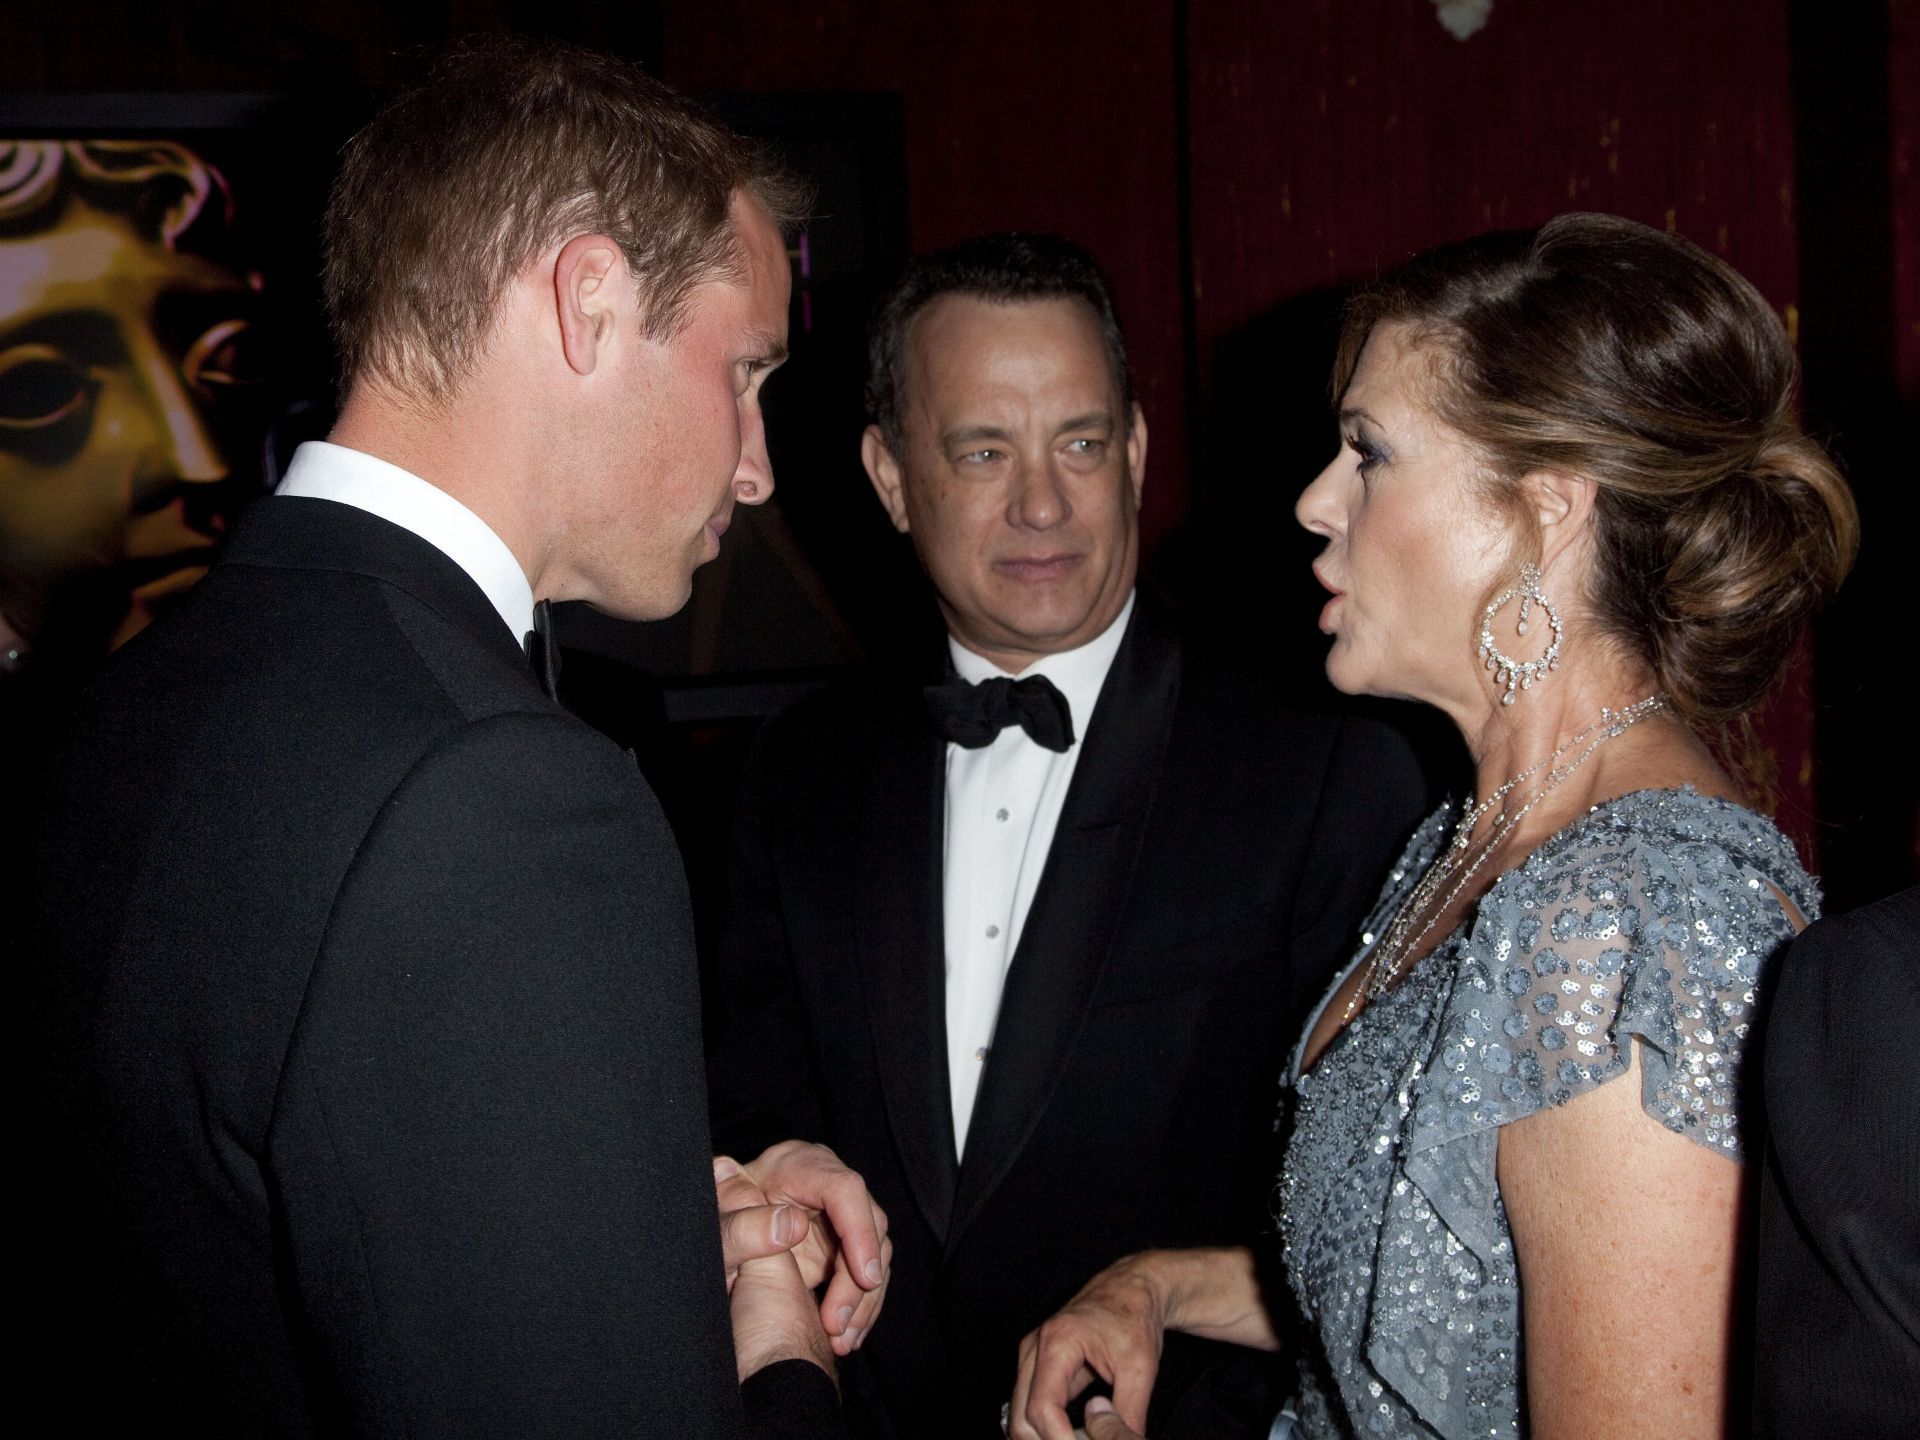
[(902, 948), (1076, 908)]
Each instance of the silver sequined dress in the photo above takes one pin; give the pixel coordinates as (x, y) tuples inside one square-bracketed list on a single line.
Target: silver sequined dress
[(1650, 916)]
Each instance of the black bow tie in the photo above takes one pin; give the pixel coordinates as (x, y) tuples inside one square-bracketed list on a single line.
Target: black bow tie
[(543, 651), (973, 715)]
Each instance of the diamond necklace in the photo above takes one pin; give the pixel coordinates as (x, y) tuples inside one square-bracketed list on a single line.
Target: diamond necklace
[(1401, 939)]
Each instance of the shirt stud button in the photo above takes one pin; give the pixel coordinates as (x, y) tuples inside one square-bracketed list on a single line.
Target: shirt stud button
[(1001, 814), (993, 932), (981, 1053)]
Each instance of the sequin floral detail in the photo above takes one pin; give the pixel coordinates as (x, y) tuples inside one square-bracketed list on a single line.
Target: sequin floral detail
[(1652, 916)]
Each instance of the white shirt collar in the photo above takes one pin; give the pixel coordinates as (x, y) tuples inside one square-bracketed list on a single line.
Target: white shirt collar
[(1078, 673), (323, 471)]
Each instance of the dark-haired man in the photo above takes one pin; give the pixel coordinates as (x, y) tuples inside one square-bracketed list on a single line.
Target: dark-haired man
[(1023, 929), (361, 1016)]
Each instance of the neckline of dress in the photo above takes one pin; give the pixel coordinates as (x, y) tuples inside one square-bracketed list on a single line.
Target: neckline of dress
[(1765, 830)]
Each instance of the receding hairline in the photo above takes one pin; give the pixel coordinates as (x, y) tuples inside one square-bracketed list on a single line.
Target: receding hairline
[(1115, 382), (999, 302)]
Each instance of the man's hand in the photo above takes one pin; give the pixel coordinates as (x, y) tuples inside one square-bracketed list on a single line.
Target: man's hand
[(1114, 1328), (846, 1242), (770, 1305), (750, 1228)]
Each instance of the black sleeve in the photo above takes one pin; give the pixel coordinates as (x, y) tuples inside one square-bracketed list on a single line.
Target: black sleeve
[(761, 1075), (793, 1400), (1372, 795), (490, 1144), (1837, 1309)]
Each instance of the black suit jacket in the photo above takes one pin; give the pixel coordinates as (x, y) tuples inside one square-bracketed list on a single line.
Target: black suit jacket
[(1213, 855), (362, 1024), (1838, 1322)]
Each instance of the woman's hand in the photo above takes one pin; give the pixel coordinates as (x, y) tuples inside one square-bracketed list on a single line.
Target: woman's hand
[(1113, 1328)]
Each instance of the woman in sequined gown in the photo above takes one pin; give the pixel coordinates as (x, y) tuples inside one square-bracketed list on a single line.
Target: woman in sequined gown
[(1510, 1200)]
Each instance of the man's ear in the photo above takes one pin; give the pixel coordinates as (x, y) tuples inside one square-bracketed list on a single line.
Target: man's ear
[(1137, 451), (1563, 507), (591, 286), (884, 471)]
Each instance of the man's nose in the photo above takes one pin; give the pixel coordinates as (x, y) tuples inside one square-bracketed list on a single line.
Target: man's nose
[(753, 476), (1039, 496)]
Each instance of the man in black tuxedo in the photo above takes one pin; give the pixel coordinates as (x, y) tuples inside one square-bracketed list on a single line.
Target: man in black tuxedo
[(361, 1019), (1838, 1315), (1029, 953)]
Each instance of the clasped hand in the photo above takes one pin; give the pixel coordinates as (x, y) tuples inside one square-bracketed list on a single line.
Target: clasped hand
[(791, 1220)]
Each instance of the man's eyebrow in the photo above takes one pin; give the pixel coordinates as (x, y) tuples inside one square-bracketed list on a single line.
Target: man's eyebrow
[(968, 434), (1092, 420), (1355, 412), (767, 345)]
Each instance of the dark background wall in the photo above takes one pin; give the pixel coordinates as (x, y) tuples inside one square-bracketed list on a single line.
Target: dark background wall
[(1234, 165)]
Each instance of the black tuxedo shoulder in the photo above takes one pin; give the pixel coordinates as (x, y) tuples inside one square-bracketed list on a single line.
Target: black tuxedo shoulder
[(846, 706), (813, 756), (1243, 705), (1843, 996), (1837, 1294), (856, 706), (1866, 950), (1275, 748)]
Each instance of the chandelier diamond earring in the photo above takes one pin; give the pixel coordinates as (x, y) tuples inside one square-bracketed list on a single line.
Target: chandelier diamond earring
[(1520, 674)]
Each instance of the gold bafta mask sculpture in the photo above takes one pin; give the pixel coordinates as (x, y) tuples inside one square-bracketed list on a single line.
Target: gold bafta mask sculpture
[(122, 351)]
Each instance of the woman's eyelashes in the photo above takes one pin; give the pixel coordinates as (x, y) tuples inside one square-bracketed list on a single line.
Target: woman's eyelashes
[(1372, 454)]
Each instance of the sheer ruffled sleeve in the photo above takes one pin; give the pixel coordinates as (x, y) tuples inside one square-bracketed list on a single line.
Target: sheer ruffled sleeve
[(1580, 951)]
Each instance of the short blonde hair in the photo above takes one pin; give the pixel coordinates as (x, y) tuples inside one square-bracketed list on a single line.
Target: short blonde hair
[(507, 147)]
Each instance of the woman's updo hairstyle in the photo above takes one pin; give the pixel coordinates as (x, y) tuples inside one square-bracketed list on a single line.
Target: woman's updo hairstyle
[(1600, 347)]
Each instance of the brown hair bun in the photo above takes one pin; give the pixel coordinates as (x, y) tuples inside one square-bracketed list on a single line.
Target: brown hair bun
[(1598, 346)]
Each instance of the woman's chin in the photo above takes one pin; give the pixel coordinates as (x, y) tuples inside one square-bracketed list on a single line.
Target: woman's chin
[(1343, 674)]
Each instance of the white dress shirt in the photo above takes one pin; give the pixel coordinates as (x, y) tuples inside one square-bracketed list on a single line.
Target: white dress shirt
[(1003, 804), (322, 471)]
